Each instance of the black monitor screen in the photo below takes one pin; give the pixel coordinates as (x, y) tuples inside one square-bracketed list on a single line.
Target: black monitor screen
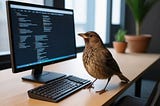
[(39, 35)]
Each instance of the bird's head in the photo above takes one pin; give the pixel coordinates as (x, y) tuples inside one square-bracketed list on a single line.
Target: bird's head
[(91, 38)]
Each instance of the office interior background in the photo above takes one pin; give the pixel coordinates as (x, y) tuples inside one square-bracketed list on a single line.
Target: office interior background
[(103, 16)]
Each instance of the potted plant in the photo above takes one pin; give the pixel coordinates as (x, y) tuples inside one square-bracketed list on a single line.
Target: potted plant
[(120, 44), (139, 9)]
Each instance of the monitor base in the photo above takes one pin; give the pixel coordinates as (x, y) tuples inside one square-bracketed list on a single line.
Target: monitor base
[(44, 77)]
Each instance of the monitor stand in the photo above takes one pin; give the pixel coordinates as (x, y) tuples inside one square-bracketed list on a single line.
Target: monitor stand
[(40, 76)]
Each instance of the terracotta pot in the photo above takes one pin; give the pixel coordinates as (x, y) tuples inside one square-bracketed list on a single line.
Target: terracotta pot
[(138, 44), (120, 47)]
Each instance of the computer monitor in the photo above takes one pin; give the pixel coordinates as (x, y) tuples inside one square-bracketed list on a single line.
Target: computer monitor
[(39, 35)]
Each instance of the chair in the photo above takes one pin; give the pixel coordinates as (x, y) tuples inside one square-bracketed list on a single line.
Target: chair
[(153, 100)]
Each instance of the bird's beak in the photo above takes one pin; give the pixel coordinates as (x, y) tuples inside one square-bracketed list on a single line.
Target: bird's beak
[(83, 35)]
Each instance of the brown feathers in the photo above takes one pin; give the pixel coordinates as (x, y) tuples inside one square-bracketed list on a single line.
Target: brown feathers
[(98, 60)]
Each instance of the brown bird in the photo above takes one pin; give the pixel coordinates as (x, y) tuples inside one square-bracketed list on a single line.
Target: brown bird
[(98, 60)]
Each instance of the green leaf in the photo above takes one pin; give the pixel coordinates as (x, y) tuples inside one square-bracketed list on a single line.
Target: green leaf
[(139, 9), (120, 35)]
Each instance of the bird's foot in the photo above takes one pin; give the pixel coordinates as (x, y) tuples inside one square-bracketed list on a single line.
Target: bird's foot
[(90, 85), (101, 91)]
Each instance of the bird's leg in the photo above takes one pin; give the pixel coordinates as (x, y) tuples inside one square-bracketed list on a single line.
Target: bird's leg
[(91, 85), (104, 89)]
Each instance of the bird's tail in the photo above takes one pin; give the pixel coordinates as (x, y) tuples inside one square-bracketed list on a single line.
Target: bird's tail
[(123, 78)]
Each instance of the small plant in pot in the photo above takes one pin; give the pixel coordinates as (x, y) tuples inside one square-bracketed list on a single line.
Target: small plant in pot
[(120, 44), (139, 9)]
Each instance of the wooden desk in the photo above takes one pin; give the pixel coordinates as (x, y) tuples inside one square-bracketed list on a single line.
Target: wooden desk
[(13, 91)]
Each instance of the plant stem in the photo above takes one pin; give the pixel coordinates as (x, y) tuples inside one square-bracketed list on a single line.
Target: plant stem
[(138, 28)]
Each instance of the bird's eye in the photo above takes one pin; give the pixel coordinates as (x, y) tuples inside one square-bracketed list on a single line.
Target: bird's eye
[(90, 35)]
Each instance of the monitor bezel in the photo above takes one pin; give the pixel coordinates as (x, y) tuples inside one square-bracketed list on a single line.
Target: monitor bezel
[(17, 70)]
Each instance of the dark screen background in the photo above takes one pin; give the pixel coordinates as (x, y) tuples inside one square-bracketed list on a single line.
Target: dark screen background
[(40, 36)]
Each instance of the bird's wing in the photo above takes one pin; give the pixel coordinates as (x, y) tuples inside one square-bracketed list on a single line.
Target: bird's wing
[(109, 61)]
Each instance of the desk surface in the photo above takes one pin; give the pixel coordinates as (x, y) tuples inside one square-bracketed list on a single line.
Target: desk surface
[(13, 91)]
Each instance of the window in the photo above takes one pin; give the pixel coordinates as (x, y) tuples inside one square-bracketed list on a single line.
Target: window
[(90, 15), (116, 11), (102, 16)]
